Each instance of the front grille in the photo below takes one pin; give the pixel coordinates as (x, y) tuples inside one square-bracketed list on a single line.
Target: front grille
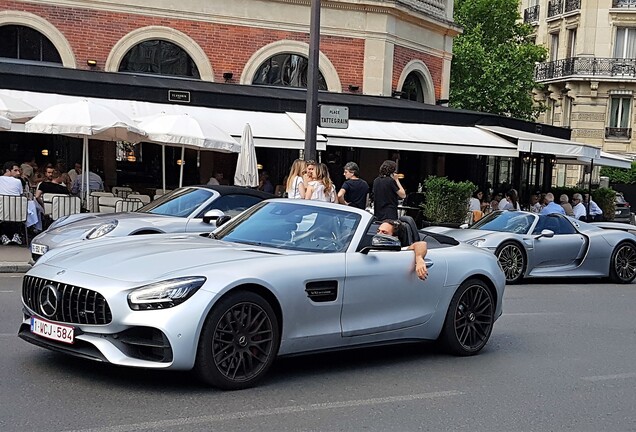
[(73, 305)]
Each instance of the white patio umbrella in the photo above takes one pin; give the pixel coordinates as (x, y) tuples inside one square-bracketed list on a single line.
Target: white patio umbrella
[(85, 119), (187, 131), (246, 173), (5, 123), (16, 110)]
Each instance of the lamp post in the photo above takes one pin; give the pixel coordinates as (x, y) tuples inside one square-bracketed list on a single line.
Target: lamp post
[(311, 109)]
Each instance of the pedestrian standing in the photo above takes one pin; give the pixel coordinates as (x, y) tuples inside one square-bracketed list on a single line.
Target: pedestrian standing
[(295, 187), (387, 189), (321, 188), (354, 191)]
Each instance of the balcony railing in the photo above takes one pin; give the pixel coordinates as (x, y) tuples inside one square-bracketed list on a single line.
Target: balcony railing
[(555, 7), (623, 3), (572, 5), (531, 14), (585, 66), (620, 133)]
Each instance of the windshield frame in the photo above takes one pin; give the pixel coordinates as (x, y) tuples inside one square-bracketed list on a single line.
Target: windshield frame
[(176, 194)]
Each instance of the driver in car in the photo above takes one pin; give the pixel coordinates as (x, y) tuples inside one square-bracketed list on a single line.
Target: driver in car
[(393, 228)]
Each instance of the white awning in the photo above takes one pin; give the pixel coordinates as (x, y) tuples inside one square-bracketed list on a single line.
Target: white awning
[(415, 137), (536, 143), (606, 159), (272, 130)]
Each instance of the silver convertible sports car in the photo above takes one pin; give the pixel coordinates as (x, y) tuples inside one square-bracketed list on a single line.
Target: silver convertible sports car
[(188, 209), (284, 277), (531, 245)]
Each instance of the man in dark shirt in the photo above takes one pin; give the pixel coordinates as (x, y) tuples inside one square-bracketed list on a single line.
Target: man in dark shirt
[(386, 192), (52, 186), (354, 190)]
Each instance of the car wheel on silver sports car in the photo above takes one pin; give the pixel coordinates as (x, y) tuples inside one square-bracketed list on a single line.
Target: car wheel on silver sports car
[(469, 319), (512, 260), (623, 263), (239, 342)]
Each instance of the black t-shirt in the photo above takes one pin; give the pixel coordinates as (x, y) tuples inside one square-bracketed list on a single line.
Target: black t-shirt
[(356, 191), (50, 187), (385, 198)]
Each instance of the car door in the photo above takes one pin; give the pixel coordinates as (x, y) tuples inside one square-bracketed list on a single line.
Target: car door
[(230, 204), (565, 248), (382, 292)]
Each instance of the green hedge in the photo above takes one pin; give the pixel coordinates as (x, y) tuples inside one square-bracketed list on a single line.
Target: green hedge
[(446, 201)]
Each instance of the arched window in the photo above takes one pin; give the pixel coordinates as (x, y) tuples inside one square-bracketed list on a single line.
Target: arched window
[(159, 57), (24, 43), (412, 88), (289, 70)]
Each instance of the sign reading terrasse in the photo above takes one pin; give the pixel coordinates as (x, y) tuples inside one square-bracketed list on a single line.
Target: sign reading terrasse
[(333, 116)]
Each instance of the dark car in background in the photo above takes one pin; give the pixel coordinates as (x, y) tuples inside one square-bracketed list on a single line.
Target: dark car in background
[(623, 210)]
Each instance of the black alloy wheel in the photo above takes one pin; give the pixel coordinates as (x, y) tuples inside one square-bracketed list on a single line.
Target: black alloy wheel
[(512, 260), (239, 342), (469, 319), (623, 263)]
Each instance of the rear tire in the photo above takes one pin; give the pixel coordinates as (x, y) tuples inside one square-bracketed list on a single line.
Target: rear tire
[(238, 343), (469, 320), (623, 263)]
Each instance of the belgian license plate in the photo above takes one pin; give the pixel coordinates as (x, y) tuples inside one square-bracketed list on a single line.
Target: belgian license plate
[(49, 330), (39, 249)]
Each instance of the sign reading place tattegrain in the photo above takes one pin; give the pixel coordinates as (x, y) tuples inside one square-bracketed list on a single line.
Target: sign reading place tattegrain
[(333, 116)]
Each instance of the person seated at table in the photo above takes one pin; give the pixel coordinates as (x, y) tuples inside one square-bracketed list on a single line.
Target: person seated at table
[(393, 228), (95, 183), (10, 184), (53, 186)]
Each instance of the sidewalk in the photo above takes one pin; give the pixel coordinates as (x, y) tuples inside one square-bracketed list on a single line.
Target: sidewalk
[(14, 259)]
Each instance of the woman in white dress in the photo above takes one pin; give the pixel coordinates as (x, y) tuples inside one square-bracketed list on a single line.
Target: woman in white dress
[(295, 187), (321, 189)]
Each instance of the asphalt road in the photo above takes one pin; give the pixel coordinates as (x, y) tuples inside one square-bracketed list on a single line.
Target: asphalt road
[(561, 358)]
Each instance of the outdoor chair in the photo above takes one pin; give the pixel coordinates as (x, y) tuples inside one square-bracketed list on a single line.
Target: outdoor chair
[(93, 200), (107, 204), (121, 191), (14, 209), (64, 205), (128, 205), (47, 199), (143, 198)]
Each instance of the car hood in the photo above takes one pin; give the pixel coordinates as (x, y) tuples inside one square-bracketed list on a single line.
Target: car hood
[(133, 259)]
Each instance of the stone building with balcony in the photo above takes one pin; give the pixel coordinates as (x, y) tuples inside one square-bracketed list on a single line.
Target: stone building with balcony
[(588, 83)]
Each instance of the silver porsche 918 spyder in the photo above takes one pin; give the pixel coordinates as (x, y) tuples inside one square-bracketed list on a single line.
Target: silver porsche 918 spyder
[(187, 209), (284, 277), (531, 245)]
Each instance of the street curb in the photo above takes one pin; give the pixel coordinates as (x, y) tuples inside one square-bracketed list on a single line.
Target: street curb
[(14, 267)]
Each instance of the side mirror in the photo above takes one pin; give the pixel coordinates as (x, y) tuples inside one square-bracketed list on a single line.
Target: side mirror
[(546, 233), (464, 226), (211, 215), (382, 242), (222, 220)]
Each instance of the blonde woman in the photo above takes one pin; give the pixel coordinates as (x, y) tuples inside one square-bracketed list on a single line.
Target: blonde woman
[(295, 187), (321, 188)]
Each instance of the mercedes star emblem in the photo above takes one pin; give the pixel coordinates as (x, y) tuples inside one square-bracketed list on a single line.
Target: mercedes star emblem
[(48, 300)]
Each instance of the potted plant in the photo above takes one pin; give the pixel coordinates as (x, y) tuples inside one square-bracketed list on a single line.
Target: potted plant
[(446, 201)]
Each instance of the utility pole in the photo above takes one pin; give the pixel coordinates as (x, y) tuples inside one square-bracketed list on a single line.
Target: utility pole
[(311, 109)]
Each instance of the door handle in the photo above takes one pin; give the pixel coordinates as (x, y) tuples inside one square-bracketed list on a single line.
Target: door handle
[(428, 263)]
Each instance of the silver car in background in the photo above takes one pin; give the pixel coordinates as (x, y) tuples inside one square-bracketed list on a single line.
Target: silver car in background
[(531, 245), (187, 209), (284, 277)]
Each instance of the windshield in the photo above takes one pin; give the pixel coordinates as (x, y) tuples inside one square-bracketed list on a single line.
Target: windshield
[(292, 226), (506, 221), (180, 202)]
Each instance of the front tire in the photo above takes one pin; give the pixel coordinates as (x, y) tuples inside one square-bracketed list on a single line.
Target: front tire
[(512, 260), (238, 343), (623, 263), (469, 320)]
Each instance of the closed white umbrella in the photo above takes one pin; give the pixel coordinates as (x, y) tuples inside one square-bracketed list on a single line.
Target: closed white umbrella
[(16, 110), (86, 119), (188, 131), (5, 123), (246, 166)]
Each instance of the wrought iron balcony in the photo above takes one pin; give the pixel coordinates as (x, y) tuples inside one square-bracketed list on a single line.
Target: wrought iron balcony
[(586, 66), (620, 133), (555, 7), (623, 3), (531, 14), (572, 5)]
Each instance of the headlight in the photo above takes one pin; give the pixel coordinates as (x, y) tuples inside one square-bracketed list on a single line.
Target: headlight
[(101, 230), (58, 222), (476, 242), (164, 294)]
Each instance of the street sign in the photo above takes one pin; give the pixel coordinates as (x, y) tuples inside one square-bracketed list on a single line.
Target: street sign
[(334, 116)]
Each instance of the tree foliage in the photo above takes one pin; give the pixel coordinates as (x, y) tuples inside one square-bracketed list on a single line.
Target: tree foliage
[(620, 175), (493, 60)]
